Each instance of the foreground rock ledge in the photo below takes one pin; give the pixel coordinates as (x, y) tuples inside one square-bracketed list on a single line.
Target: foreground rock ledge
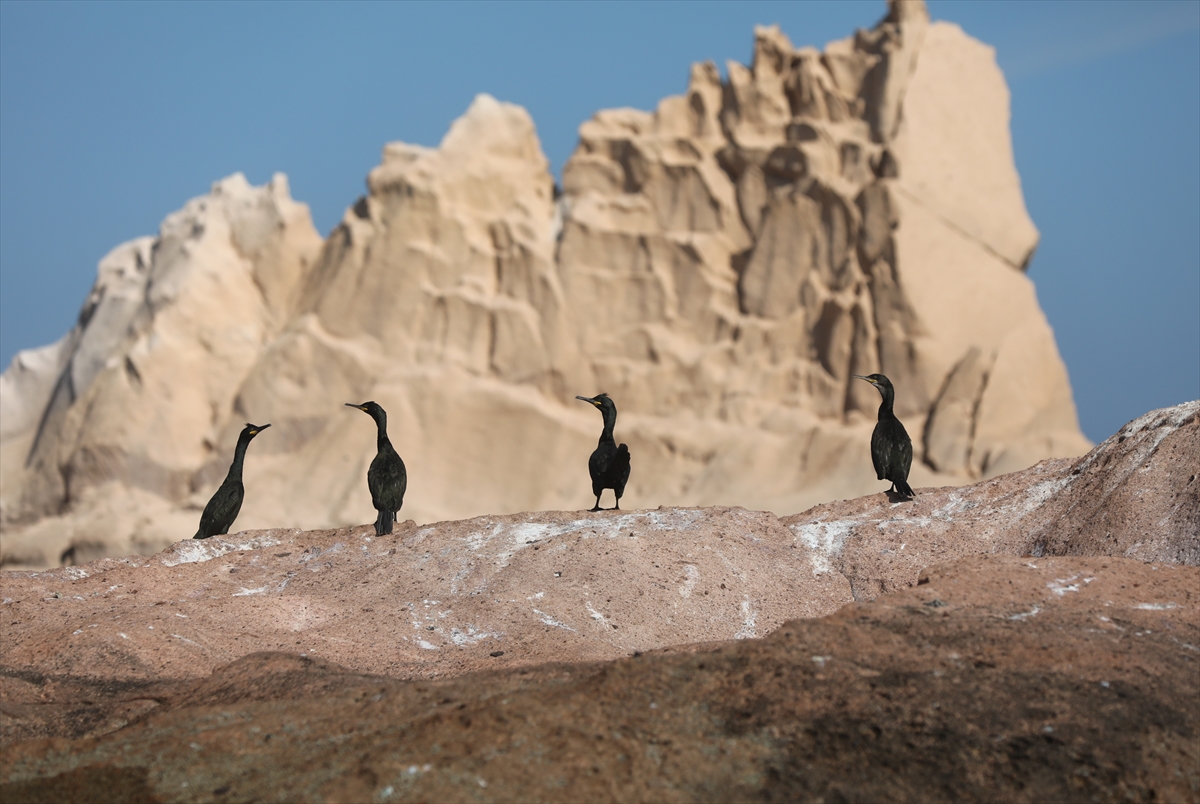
[(551, 586), (1051, 653), (995, 678)]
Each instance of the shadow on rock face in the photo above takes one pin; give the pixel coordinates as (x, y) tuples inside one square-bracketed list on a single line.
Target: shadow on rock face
[(88, 785)]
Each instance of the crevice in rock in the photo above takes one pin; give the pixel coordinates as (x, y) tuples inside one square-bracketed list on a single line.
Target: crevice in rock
[(952, 225)]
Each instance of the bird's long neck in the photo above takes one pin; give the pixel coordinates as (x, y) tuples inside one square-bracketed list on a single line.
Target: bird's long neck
[(382, 442), (885, 407), (239, 458), (610, 422)]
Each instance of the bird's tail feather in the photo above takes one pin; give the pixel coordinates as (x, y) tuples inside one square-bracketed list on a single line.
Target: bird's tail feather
[(905, 489), (383, 524)]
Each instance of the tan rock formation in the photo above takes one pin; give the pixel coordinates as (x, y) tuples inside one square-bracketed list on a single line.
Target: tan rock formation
[(145, 384), (720, 266)]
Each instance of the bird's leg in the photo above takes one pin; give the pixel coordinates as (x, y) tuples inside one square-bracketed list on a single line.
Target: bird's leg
[(596, 507), (617, 507)]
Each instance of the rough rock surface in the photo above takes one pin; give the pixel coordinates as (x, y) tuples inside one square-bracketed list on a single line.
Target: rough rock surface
[(558, 586), (720, 266), (1137, 495), (1056, 679), (433, 600), (1032, 637)]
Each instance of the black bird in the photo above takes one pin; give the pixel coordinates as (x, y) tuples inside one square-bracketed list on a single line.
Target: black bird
[(609, 464), (891, 448), (387, 478), (224, 506)]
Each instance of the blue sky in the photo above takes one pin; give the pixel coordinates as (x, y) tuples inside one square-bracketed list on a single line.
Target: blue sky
[(113, 115)]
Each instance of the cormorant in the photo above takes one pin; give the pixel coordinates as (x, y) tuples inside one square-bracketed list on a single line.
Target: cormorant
[(609, 464), (224, 506), (891, 448), (387, 478)]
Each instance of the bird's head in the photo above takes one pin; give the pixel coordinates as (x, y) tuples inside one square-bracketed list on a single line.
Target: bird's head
[(602, 402), (372, 409), (880, 382), (251, 430)]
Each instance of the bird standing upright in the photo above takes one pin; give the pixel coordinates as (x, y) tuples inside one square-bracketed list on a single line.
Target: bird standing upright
[(609, 464), (387, 478), (891, 448), (224, 506)]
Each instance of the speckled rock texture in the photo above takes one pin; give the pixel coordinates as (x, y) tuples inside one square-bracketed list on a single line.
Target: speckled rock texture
[(997, 678), (551, 586), (565, 586), (1032, 637), (1135, 495)]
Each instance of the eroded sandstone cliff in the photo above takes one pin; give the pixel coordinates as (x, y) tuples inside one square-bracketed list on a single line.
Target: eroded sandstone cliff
[(720, 266)]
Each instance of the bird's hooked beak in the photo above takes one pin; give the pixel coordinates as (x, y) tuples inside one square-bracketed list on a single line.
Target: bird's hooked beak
[(589, 399), (360, 407), (258, 428), (861, 377)]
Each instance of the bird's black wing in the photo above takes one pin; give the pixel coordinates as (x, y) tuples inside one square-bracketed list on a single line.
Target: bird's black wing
[(221, 510), (879, 450), (905, 453), (599, 465), (620, 470), (387, 480), (892, 450)]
